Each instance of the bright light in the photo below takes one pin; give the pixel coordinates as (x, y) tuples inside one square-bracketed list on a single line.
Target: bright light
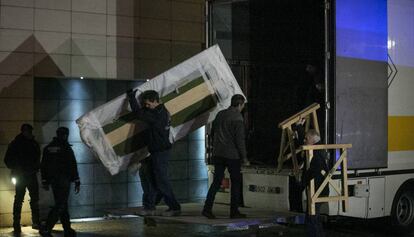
[(14, 181), (147, 79), (81, 78), (391, 44)]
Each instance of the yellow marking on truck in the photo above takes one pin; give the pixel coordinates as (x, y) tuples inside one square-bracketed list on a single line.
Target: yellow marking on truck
[(400, 133)]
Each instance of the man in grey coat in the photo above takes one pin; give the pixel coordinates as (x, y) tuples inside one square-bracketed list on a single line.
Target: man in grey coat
[(229, 151)]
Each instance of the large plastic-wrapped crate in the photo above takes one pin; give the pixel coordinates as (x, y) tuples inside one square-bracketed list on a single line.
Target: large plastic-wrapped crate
[(193, 92)]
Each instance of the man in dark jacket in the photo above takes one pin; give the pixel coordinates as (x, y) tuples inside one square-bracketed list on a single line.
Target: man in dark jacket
[(59, 169), (318, 167), (157, 118), (23, 158), (229, 151)]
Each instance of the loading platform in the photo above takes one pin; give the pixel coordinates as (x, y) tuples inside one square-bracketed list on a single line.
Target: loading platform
[(191, 214)]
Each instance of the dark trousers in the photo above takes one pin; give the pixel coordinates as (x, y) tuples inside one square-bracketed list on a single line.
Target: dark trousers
[(159, 178), (313, 223), (148, 185), (295, 195), (61, 190), (234, 168), (23, 182)]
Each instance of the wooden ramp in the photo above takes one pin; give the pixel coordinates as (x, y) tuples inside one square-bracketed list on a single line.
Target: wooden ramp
[(191, 214)]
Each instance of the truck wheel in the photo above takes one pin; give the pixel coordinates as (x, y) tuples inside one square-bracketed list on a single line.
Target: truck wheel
[(402, 214)]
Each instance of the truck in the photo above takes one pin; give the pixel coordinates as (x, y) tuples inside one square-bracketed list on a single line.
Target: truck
[(365, 56)]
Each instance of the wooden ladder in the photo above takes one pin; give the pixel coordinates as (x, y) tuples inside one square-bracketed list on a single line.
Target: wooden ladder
[(342, 190), (287, 146)]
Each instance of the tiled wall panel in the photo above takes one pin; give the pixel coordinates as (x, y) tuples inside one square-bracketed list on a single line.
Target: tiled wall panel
[(187, 31), (15, 63), (95, 6), (122, 68), (52, 20), (120, 47), (155, 29), (92, 45), (89, 66), (153, 49), (185, 11), (120, 26), (182, 51), (16, 17), (53, 4), (122, 8), (22, 109), (3, 149), (47, 45), (13, 40), (87, 23), (52, 42), (16, 86), (50, 65), (156, 9)]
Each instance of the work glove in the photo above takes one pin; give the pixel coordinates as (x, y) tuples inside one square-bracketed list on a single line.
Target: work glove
[(131, 93), (77, 187)]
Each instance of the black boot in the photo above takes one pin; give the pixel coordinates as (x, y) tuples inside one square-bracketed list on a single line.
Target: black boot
[(237, 215), (35, 219), (69, 233), (208, 213), (45, 233), (17, 230)]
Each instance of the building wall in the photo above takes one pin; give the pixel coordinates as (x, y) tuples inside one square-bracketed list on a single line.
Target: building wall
[(46, 45)]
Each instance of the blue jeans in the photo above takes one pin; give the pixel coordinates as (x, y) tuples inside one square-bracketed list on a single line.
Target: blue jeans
[(159, 177)]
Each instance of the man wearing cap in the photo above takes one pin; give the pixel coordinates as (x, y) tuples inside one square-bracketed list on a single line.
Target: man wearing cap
[(23, 158), (59, 169)]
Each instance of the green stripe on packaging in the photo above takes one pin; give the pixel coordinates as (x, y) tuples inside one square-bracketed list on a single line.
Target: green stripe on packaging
[(122, 120), (130, 145), (193, 111), (137, 141), (182, 90)]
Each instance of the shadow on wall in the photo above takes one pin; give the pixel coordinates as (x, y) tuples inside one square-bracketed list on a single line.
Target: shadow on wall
[(38, 93)]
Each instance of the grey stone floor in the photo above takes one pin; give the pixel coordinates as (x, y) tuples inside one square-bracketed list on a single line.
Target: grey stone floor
[(134, 226), (128, 227)]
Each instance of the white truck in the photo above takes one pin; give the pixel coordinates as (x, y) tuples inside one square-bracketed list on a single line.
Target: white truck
[(387, 189), (369, 76)]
